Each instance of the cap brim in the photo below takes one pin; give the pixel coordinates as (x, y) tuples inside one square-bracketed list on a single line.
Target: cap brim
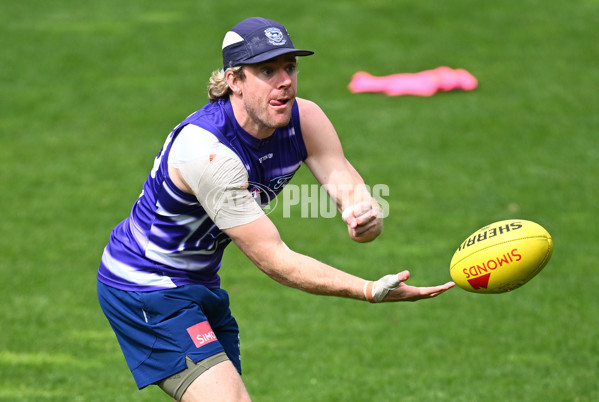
[(271, 54)]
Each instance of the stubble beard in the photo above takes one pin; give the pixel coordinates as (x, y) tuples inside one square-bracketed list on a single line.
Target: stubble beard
[(264, 119)]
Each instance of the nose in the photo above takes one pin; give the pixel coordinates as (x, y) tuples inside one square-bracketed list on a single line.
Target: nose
[(284, 79)]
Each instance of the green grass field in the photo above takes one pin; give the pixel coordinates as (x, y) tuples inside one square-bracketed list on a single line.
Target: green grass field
[(91, 89)]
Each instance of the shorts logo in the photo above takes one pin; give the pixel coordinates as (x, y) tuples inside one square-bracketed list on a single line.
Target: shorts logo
[(201, 334), (275, 36)]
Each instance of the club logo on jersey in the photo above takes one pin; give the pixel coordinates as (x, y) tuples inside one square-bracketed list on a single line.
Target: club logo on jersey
[(279, 182), (275, 36), (201, 334)]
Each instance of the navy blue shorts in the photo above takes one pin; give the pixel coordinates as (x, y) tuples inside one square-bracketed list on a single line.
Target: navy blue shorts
[(157, 329)]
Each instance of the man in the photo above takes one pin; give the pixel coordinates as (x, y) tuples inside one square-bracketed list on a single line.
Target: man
[(158, 281)]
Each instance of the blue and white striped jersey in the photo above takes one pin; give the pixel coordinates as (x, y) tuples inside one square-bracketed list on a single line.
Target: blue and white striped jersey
[(168, 240)]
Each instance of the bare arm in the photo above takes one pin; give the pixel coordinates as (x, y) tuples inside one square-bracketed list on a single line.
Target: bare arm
[(333, 171), (260, 241)]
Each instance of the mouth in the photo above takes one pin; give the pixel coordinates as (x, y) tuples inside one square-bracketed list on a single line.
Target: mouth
[(280, 103)]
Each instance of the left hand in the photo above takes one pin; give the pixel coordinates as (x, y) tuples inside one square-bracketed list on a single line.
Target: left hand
[(364, 221)]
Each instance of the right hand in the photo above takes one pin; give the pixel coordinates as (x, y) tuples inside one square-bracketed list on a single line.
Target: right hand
[(391, 288)]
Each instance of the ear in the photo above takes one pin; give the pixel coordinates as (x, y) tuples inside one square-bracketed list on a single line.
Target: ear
[(233, 81)]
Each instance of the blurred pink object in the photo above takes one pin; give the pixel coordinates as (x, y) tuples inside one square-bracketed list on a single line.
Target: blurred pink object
[(424, 83)]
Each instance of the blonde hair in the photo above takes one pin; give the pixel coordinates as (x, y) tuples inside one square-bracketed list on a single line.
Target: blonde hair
[(217, 85)]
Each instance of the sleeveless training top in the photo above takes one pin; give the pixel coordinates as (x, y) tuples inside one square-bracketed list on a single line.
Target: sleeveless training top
[(168, 240)]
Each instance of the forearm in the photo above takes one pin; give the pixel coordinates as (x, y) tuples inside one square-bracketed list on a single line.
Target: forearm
[(359, 209), (305, 273), (260, 241), (270, 254), (344, 185)]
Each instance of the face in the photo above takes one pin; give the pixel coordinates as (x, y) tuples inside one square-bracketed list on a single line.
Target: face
[(264, 99)]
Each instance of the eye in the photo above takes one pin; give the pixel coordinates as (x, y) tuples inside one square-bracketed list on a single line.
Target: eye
[(268, 71), (291, 68)]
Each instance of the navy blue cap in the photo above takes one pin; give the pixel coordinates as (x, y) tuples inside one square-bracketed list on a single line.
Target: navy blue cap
[(255, 40)]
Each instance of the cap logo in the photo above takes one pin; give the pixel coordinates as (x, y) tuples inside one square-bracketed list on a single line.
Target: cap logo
[(275, 36)]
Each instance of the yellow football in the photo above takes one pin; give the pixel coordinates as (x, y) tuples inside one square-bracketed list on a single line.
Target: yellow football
[(501, 257)]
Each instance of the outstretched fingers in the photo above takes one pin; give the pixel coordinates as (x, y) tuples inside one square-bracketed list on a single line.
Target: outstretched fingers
[(435, 291), (430, 291), (413, 293)]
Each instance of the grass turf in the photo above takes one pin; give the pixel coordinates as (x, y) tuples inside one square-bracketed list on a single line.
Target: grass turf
[(90, 91)]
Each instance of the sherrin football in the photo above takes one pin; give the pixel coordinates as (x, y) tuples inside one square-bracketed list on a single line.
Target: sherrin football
[(501, 257)]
